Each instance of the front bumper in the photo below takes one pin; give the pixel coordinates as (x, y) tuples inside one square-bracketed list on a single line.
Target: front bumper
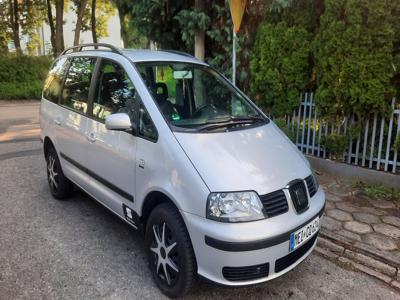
[(263, 243)]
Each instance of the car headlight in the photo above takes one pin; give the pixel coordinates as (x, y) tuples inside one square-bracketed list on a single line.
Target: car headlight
[(234, 207)]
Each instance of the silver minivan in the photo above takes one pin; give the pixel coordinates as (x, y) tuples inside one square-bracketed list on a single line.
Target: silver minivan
[(170, 146)]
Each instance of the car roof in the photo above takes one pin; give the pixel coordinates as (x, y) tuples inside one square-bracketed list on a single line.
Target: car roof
[(144, 55)]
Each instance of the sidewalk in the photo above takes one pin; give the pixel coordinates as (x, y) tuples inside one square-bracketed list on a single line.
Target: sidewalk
[(19, 120), (360, 232)]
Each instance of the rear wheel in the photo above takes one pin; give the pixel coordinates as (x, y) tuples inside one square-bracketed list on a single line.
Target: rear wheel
[(60, 186), (171, 258)]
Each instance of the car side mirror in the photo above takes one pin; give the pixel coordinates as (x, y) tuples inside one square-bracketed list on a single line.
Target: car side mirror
[(119, 121)]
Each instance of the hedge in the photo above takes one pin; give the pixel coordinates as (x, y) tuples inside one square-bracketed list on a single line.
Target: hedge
[(22, 77)]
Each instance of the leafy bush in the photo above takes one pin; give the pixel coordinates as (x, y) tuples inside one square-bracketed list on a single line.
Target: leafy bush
[(354, 57), (335, 143), (280, 67), (22, 77)]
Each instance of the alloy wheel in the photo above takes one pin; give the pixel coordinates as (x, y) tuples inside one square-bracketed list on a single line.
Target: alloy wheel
[(165, 254), (52, 172)]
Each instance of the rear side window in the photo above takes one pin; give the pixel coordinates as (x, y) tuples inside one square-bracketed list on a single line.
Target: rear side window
[(75, 93), (52, 86), (115, 92)]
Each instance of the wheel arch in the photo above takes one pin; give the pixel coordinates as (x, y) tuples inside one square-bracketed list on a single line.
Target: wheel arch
[(47, 145), (151, 200)]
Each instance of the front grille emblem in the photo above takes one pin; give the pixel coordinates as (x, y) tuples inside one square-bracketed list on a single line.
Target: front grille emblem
[(298, 193)]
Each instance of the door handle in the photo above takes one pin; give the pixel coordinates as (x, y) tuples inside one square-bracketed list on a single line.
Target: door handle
[(91, 137), (57, 122)]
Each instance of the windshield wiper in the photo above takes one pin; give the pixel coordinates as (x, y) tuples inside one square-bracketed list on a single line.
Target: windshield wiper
[(250, 119), (229, 122)]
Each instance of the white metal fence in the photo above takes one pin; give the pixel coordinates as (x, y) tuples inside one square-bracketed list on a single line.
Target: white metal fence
[(374, 147)]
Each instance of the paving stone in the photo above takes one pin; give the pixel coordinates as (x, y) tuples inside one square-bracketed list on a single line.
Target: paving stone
[(366, 218), (382, 203), (392, 220), (329, 205), (380, 241), (325, 253), (331, 224), (340, 190), (347, 207), (350, 235), (395, 284), (365, 269), (388, 230), (372, 272), (327, 244), (339, 215), (371, 262), (331, 197), (357, 227), (372, 210)]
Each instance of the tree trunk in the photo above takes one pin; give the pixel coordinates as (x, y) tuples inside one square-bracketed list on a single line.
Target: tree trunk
[(52, 28), (93, 21), (124, 33), (199, 36), (59, 26), (81, 11), (14, 19)]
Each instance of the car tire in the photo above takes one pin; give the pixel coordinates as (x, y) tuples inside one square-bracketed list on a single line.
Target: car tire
[(60, 186), (171, 257)]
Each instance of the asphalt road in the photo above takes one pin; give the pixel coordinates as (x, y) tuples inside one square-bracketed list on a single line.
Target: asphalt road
[(76, 249)]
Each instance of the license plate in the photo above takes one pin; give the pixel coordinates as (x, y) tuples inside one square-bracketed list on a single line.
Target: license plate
[(302, 235)]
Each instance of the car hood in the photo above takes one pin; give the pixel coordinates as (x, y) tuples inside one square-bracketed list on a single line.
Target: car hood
[(262, 159)]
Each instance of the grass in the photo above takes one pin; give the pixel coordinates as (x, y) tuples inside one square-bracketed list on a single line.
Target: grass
[(379, 191)]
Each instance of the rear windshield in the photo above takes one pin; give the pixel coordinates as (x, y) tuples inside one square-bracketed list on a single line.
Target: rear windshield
[(196, 98)]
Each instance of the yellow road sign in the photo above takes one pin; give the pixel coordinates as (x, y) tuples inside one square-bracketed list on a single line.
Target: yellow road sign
[(237, 8)]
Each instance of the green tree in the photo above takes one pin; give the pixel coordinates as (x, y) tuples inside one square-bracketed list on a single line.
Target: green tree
[(280, 67), (95, 20), (353, 55), (5, 33)]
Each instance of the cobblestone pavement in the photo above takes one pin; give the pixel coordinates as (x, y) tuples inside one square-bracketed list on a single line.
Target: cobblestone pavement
[(360, 232), (369, 225)]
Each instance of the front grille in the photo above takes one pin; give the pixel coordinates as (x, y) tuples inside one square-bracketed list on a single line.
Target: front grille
[(274, 203), (245, 273), (298, 193), (288, 260), (311, 186)]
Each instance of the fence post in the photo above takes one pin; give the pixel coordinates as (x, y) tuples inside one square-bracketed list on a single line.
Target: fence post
[(315, 128), (298, 122), (303, 128), (309, 122), (365, 142), (371, 156), (396, 149), (389, 139), (378, 165)]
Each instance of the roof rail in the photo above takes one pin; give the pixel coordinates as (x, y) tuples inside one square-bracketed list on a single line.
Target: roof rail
[(178, 52), (79, 48)]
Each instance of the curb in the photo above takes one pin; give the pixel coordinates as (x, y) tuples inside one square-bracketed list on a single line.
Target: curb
[(349, 255)]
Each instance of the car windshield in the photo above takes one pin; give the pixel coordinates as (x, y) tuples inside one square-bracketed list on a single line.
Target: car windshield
[(195, 97)]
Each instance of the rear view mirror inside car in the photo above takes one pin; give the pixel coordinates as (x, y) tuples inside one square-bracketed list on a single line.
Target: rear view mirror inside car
[(186, 74)]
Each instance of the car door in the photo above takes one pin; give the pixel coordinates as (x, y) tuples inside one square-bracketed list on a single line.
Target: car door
[(72, 122), (111, 153)]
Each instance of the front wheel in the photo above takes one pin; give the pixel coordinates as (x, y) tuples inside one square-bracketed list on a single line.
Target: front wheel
[(171, 258)]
